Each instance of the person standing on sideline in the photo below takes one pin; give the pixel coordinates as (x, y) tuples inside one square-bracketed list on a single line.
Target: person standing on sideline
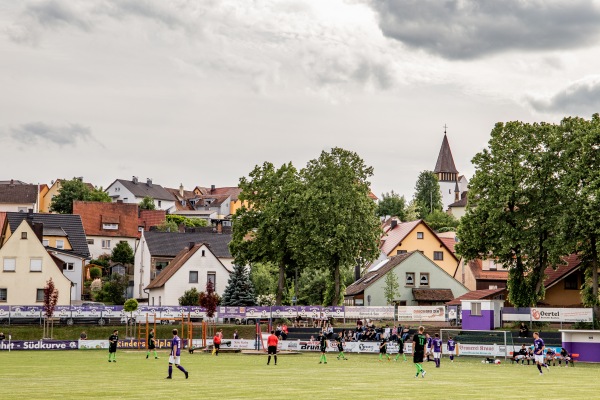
[(236, 335), (151, 344), (451, 348), (323, 346), (216, 344), (112, 346), (538, 352), (437, 350), (272, 342), (383, 349), (340, 345), (174, 357), (418, 346)]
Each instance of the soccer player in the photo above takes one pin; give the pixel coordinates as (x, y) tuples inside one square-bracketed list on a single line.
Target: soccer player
[(428, 340), (112, 346), (538, 352), (340, 345), (174, 358), (383, 349), (322, 338), (451, 348), (418, 346), (551, 356), (400, 340), (151, 344), (564, 355), (272, 341), (436, 343)]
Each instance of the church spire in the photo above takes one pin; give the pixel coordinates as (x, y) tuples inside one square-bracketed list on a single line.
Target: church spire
[(445, 162)]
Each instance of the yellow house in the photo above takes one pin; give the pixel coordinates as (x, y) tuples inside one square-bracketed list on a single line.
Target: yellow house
[(404, 237), (26, 267), (563, 284), (47, 193)]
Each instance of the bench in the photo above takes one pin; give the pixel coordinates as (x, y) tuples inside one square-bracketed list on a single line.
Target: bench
[(574, 357)]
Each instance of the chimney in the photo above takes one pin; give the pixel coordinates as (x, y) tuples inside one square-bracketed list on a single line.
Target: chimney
[(356, 272), (38, 229), (12, 182), (30, 215), (181, 228), (181, 190), (219, 227), (149, 182), (134, 179), (191, 244), (212, 189), (393, 224)]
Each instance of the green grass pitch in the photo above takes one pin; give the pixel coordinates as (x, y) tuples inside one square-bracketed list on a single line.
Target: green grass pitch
[(88, 374)]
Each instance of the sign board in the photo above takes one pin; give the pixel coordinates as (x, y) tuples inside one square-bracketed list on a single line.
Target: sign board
[(422, 313), (371, 312)]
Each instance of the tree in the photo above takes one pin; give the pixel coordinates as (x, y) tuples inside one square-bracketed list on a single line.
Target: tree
[(168, 226), (122, 253), (412, 212), (239, 290), (190, 298), (95, 272), (113, 290), (428, 195), (338, 224), (147, 203), (440, 221), (130, 306), (265, 230), (50, 300), (580, 163), (264, 278), (392, 204), (209, 299), (70, 190), (188, 222), (390, 290), (515, 207), (98, 194)]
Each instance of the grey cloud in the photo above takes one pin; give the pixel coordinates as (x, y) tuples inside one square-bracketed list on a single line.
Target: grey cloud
[(40, 133), (468, 29), (144, 9), (580, 98), (55, 13)]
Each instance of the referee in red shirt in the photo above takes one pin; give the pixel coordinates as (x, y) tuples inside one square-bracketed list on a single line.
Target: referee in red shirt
[(272, 347)]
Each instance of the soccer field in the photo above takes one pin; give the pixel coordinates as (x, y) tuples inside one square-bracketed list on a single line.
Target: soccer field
[(88, 374)]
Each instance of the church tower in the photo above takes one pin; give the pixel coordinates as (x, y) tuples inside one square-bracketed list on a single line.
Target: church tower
[(447, 174)]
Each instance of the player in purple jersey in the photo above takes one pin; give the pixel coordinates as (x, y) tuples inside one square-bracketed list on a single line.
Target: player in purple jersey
[(175, 354), (436, 344), (451, 348), (538, 352), (428, 346)]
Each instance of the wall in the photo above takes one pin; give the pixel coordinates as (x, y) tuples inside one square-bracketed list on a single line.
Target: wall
[(584, 343), (97, 250), (14, 207), (557, 295), (76, 275)]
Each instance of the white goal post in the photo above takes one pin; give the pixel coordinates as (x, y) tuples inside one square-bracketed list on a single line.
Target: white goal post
[(479, 342)]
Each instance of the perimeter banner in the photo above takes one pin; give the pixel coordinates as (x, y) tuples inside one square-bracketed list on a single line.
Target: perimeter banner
[(384, 312), (38, 345), (422, 313)]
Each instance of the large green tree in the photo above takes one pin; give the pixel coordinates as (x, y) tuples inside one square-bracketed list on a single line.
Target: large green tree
[(580, 163), (392, 204), (265, 227), (338, 223), (147, 203), (428, 195), (515, 205), (440, 221), (122, 253), (72, 190), (264, 278), (239, 290)]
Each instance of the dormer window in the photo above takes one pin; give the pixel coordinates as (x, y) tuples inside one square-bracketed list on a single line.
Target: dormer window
[(111, 227), (23, 235), (410, 279), (424, 279)]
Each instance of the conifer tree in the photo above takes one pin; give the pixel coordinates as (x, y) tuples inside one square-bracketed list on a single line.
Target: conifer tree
[(239, 291)]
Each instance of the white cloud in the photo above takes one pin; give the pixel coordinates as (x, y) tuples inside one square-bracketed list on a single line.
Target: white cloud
[(41, 133)]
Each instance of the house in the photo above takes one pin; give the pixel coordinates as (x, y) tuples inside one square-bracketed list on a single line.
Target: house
[(107, 224), (64, 238), (482, 274), (229, 196), (193, 267), (134, 191), (459, 208), (148, 219), (157, 249), (18, 197), (48, 193), (451, 183), (26, 267), (483, 294), (563, 284), (421, 282), (404, 237)]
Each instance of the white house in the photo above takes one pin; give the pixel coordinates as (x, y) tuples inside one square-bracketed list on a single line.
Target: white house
[(156, 250), (16, 196), (193, 267), (134, 191), (27, 266)]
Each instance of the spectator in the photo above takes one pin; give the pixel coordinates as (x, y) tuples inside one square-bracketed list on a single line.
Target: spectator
[(284, 331), (523, 330), (278, 331), (298, 321), (83, 336), (359, 325), (2, 337), (236, 335)]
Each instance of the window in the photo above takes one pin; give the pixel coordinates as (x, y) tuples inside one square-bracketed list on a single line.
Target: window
[(39, 295), (493, 287), (571, 282), (424, 279), (410, 279), (203, 253), (492, 265), (193, 276), (159, 203), (476, 309), (23, 235), (419, 235), (402, 303), (3, 295), (438, 255), (106, 244), (90, 241), (212, 277), (400, 252), (112, 227), (10, 264), (35, 265), (60, 244), (68, 267), (46, 243)]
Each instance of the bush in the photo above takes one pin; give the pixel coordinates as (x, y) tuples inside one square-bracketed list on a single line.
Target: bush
[(95, 272)]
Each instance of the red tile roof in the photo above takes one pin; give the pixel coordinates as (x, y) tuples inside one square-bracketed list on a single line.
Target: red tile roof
[(150, 218), (94, 213), (555, 275), (480, 274), (476, 295), (395, 236), (432, 294), (449, 242)]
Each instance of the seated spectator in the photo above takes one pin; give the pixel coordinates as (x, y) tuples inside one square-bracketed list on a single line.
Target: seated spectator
[(520, 355), (349, 336), (83, 336), (564, 355), (523, 330), (284, 331), (394, 334), (298, 321), (551, 356), (278, 331), (530, 356), (2, 337), (359, 325), (312, 338)]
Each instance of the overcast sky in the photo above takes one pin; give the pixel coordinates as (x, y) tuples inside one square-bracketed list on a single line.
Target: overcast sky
[(198, 92)]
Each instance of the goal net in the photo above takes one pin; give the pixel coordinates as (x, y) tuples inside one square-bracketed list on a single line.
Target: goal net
[(480, 343)]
